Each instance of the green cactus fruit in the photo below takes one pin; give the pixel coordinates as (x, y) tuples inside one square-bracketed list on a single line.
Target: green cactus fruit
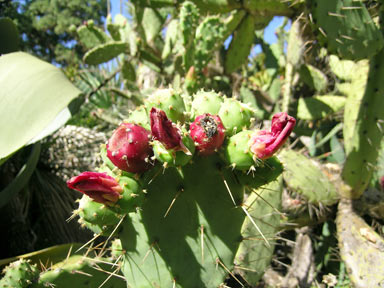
[(19, 274), (360, 248), (170, 101), (306, 178), (363, 137), (182, 235), (104, 230), (313, 77), (132, 196), (104, 52), (171, 157), (209, 35), (235, 115), (241, 44), (268, 7), (206, 102), (347, 28), (237, 151), (319, 107), (269, 170), (139, 116), (96, 213), (254, 256), (79, 271), (91, 37)]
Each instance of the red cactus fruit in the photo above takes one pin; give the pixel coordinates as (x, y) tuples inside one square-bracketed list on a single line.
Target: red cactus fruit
[(98, 186), (264, 143), (382, 182), (129, 148), (207, 131), (166, 132)]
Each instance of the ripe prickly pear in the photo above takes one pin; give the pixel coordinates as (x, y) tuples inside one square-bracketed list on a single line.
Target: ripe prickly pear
[(382, 182), (208, 133), (100, 187), (129, 148), (166, 132), (264, 143)]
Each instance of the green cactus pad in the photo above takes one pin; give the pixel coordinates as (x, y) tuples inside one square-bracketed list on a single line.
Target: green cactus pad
[(313, 77), (81, 272), (128, 71), (188, 225), (96, 213), (206, 102), (104, 52), (19, 274), (189, 19), (319, 107), (217, 6), (363, 137), (174, 158), (347, 28), (241, 44), (343, 69), (235, 115), (139, 116), (172, 41), (209, 35), (152, 23), (307, 179), (116, 28), (254, 256), (237, 151), (361, 248), (170, 101), (91, 36), (233, 21), (267, 7)]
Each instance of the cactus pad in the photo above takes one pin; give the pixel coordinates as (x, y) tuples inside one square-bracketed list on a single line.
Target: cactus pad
[(104, 52)]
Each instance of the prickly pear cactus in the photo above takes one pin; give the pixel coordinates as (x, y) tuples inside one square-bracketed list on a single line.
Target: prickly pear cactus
[(363, 137), (346, 27), (181, 220), (19, 274)]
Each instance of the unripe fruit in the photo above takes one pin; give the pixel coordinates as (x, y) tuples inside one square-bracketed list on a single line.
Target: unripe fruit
[(129, 148), (208, 133)]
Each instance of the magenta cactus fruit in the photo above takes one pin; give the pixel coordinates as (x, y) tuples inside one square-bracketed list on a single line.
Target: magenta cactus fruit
[(382, 182), (129, 148), (208, 133), (165, 131), (101, 187), (264, 144)]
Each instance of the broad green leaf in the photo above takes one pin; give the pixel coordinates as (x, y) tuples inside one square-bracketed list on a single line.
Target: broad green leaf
[(34, 96), (9, 36)]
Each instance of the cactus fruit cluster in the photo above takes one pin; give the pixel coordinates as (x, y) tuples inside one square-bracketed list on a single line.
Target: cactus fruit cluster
[(171, 194)]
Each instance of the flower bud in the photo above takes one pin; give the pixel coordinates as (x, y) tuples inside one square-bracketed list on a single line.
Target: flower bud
[(101, 187), (264, 144), (166, 132)]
